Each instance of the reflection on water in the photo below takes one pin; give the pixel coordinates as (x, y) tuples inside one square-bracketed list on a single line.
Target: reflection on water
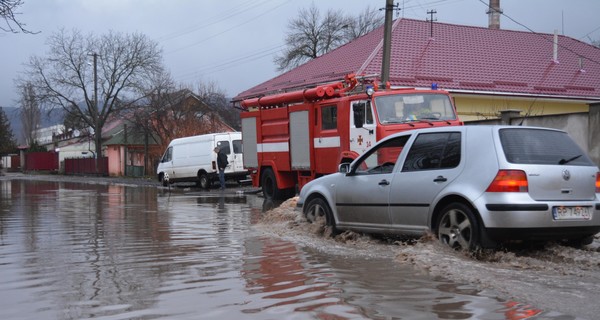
[(72, 251)]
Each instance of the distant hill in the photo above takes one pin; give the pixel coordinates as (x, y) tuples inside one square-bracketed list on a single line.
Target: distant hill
[(14, 117)]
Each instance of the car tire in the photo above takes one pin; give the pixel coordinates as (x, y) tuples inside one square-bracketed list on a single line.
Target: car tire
[(580, 242), (458, 228), (204, 181), (318, 207)]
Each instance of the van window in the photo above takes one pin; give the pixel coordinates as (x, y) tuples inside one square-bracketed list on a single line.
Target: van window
[(432, 151), (237, 146), (224, 146), (168, 156)]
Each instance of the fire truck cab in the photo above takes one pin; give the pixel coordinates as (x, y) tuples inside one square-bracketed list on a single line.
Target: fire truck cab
[(292, 138)]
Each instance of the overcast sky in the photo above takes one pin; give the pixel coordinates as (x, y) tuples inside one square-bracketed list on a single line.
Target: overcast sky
[(232, 43)]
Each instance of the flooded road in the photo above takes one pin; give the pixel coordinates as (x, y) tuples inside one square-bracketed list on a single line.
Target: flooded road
[(75, 250)]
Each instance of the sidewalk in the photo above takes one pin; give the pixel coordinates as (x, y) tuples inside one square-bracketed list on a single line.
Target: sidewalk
[(83, 179), (133, 181)]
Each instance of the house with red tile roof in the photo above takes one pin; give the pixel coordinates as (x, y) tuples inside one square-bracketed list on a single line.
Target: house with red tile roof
[(486, 70)]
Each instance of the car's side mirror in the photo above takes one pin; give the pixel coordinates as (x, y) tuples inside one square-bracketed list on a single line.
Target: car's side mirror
[(344, 167)]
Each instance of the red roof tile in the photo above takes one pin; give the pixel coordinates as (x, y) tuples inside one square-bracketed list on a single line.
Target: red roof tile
[(457, 58)]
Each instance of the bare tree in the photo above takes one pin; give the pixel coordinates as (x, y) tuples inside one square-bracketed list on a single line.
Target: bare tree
[(113, 67), (30, 113), (311, 35), (8, 13), (367, 21), (215, 98)]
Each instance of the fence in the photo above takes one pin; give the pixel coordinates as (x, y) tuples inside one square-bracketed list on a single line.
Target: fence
[(41, 161), (86, 166)]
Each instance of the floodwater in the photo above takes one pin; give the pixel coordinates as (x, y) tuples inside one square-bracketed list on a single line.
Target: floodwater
[(76, 250)]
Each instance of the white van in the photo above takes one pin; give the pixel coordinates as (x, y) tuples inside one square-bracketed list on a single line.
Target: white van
[(192, 159)]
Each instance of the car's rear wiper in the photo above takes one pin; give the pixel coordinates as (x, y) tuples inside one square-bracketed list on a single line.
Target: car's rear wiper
[(563, 161)]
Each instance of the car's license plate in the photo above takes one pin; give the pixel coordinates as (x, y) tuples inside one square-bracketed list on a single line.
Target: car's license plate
[(572, 213)]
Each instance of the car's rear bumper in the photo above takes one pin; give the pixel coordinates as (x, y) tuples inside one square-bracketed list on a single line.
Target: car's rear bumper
[(520, 214)]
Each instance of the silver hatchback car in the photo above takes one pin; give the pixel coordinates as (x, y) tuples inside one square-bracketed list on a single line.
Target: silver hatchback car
[(472, 186)]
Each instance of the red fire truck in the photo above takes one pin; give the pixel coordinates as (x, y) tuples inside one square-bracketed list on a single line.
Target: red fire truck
[(292, 138)]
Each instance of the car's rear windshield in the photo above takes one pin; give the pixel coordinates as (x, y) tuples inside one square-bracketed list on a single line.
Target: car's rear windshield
[(538, 146)]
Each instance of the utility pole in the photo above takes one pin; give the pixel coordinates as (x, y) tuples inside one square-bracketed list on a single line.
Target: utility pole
[(387, 41), (431, 13)]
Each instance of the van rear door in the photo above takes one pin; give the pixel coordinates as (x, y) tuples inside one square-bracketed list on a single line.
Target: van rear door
[(222, 141), (238, 158)]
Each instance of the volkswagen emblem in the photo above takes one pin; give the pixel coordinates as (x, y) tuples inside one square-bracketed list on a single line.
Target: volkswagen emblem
[(566, 175)]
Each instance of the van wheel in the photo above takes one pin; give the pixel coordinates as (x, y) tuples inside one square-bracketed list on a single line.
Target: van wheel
[(164, 178), (204, 181), (269, 186), (458, 227)]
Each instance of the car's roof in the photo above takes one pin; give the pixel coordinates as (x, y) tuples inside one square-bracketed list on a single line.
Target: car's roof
[(471, 128)]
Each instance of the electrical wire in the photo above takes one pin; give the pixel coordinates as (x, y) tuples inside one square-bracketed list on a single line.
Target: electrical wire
[(219, 18), (229, 29), (232, 63), (543, 36)]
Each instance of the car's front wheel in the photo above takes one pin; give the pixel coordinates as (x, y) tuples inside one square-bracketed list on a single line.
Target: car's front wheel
[(317, 208), (458, 228)]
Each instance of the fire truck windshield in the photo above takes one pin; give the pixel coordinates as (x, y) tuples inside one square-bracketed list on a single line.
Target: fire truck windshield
[(401, 108)]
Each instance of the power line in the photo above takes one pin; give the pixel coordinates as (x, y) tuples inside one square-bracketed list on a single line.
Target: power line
[(543, 36), (229, 29), (590, 33), (210, 21), (233, 62)]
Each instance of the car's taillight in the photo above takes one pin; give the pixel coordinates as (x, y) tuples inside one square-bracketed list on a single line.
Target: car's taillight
[(598, 182), (510, 181)]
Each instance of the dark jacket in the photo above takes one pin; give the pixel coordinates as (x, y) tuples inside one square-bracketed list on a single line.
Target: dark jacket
[(222, 160)]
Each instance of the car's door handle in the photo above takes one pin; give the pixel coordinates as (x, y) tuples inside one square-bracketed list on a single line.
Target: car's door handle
[(440, 179), (384, 182)]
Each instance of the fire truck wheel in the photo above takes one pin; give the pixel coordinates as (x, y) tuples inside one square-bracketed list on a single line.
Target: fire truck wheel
[(317, 208), (270, 188)]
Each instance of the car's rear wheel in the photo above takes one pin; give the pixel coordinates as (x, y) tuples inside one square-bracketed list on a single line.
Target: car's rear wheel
[(580, 242), (458, 228), (318, 208)]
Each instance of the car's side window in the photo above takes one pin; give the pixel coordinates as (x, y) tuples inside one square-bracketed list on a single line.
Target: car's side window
[(432, 151), (381, 158)]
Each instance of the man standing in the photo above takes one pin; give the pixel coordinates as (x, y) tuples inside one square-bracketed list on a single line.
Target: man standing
[(221, 164)]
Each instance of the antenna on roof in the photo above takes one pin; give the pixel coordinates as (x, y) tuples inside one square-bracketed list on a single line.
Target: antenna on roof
[(431, 13)]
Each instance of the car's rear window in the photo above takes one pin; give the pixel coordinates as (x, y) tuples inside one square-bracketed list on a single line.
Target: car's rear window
[(538, 146)]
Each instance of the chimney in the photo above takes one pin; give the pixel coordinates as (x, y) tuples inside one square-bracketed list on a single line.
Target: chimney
[(494, 13)]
